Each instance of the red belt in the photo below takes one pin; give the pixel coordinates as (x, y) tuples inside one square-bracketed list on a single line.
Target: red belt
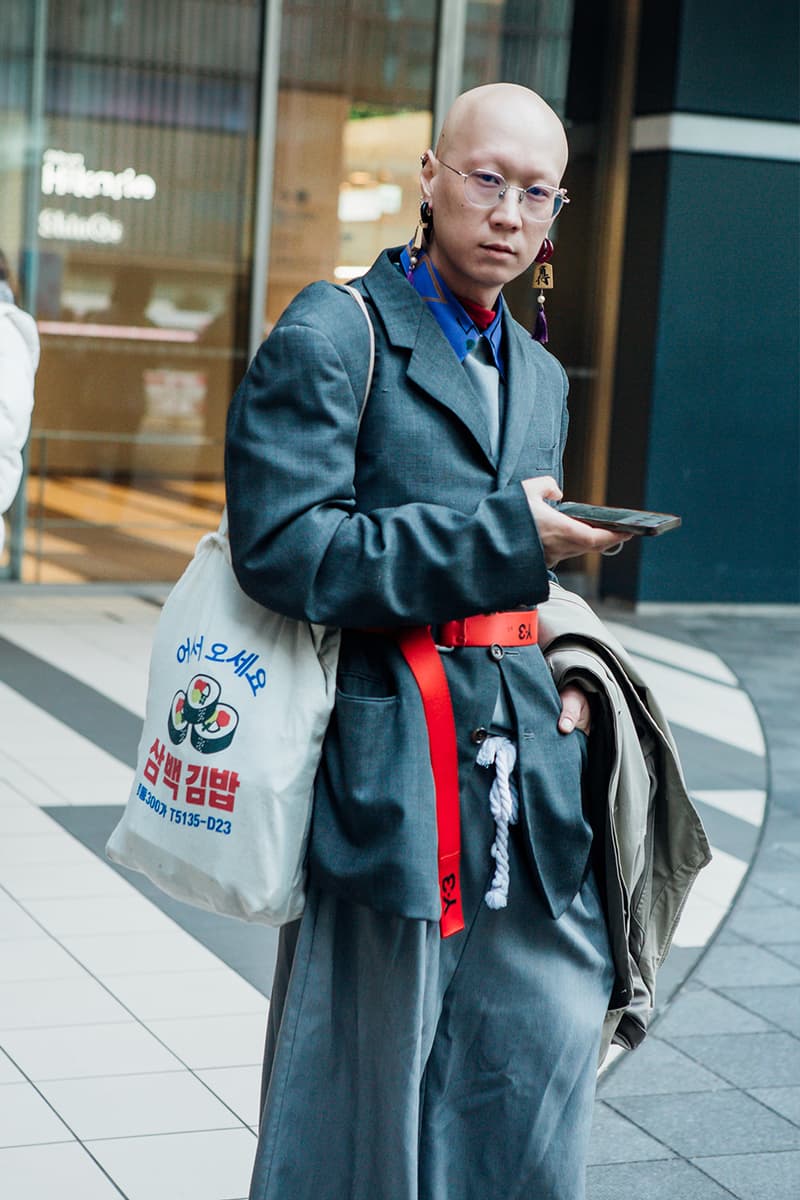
[(501, 629), (420, 652)]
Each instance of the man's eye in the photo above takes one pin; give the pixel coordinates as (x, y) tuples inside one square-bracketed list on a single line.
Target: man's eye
[(538, 193), (487, 179)]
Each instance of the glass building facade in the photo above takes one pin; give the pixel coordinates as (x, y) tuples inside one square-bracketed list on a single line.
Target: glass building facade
[(172, 172)]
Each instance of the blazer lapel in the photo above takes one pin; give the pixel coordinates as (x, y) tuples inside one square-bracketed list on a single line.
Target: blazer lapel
[(432, 366), (522, 381), (435, 368)]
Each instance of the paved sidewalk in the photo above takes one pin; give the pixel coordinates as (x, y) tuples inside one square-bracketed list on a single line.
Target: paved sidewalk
[(709, 1106), (131, 1026)]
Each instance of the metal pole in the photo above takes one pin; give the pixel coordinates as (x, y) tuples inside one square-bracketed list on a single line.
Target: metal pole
[(34, 148), (265, 168), (610, 235), (449, 59)]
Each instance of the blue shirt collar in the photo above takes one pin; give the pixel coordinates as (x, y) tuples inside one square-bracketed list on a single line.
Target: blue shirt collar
[(457, 326)]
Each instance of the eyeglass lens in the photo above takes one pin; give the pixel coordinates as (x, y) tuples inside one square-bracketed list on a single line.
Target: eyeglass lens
[(486, 188)]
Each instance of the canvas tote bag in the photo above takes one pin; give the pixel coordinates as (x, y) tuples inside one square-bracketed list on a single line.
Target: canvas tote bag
[(238, 702)]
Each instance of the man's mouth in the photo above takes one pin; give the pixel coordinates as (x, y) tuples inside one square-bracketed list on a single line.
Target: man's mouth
[(498, 248)]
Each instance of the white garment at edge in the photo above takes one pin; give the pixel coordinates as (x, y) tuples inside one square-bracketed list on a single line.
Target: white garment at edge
[(19, 358)]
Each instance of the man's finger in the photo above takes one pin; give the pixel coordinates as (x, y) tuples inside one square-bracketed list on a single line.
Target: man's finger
[(575, 710)]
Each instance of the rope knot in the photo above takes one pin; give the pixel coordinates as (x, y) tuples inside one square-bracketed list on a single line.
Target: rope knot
[(504, 806)]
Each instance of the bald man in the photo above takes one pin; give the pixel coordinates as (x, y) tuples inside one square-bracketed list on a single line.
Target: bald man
[(436, 1014)]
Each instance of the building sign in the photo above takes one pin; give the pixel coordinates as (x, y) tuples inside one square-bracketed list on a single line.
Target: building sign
[(73, 227), (64, 173)]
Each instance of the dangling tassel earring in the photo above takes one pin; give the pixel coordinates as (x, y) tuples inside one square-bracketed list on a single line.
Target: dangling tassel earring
[(542, 278), (421, 235)]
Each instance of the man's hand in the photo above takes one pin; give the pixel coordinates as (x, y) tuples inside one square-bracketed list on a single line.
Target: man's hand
[(561, 536), (575, 710)]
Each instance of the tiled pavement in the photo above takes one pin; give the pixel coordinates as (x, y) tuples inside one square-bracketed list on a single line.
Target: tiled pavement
[(131, 1026), (709, 1107)]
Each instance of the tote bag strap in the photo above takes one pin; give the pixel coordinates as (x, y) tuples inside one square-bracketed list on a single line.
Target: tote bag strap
[(359, 299)]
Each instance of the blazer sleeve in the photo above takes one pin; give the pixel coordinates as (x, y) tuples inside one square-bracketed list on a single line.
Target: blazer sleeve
[(300, 547)]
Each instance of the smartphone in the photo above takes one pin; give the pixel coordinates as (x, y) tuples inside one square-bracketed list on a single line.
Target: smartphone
[(621, 520)]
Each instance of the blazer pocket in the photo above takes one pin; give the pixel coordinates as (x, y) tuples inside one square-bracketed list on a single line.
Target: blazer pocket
[(546, 451), (547, 435), (538, 458), (374, 832), (357, 685), (367, 745)]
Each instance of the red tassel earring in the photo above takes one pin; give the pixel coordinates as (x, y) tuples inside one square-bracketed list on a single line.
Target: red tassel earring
[(542, 278)]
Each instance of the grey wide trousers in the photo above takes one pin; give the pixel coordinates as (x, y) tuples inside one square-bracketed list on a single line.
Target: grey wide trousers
[(401, 1066)]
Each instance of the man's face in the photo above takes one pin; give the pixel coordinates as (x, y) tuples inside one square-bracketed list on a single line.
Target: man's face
[(478, 250)]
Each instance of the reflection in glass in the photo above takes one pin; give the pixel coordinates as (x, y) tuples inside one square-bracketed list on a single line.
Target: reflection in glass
[(142, 242), (354, 116)]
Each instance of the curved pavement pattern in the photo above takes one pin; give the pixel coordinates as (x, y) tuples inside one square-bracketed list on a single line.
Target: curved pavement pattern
[(131, 1026), (709, 1106), (723, 753)]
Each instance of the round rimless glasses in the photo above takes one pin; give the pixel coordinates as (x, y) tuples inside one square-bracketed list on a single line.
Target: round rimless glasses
[(540, 202)]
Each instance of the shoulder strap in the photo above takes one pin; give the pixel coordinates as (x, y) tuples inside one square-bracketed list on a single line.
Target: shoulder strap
[(359, 299)]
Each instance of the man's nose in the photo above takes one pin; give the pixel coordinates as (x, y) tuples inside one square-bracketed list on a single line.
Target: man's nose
[(507, 210)]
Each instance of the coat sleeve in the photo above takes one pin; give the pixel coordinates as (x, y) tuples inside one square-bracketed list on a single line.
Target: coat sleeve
[(298, 543), (16, 403)]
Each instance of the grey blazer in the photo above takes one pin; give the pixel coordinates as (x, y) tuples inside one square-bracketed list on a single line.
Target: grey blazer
[(407, 521)]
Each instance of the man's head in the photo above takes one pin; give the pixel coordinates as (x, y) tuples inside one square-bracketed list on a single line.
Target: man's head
[(510, 131)]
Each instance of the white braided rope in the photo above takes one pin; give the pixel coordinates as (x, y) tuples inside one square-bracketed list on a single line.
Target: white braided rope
[(504, 805)]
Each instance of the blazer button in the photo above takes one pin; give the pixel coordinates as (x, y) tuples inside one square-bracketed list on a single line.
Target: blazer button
[(479, 735), (497, 652)]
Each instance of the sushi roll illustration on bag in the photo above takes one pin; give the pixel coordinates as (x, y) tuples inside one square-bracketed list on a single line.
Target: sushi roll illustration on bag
[(199, 708), (217, 732), (177, 725), (202, 695)]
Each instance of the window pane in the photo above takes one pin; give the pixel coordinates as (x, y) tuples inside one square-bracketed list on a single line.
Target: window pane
[(354, 116), (142, 248), (520, 42)]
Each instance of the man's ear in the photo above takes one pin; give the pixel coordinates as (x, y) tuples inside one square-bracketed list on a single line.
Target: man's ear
[(427, 161)]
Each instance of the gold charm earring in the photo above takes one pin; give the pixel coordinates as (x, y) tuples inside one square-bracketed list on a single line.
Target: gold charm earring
[(542, 278)]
